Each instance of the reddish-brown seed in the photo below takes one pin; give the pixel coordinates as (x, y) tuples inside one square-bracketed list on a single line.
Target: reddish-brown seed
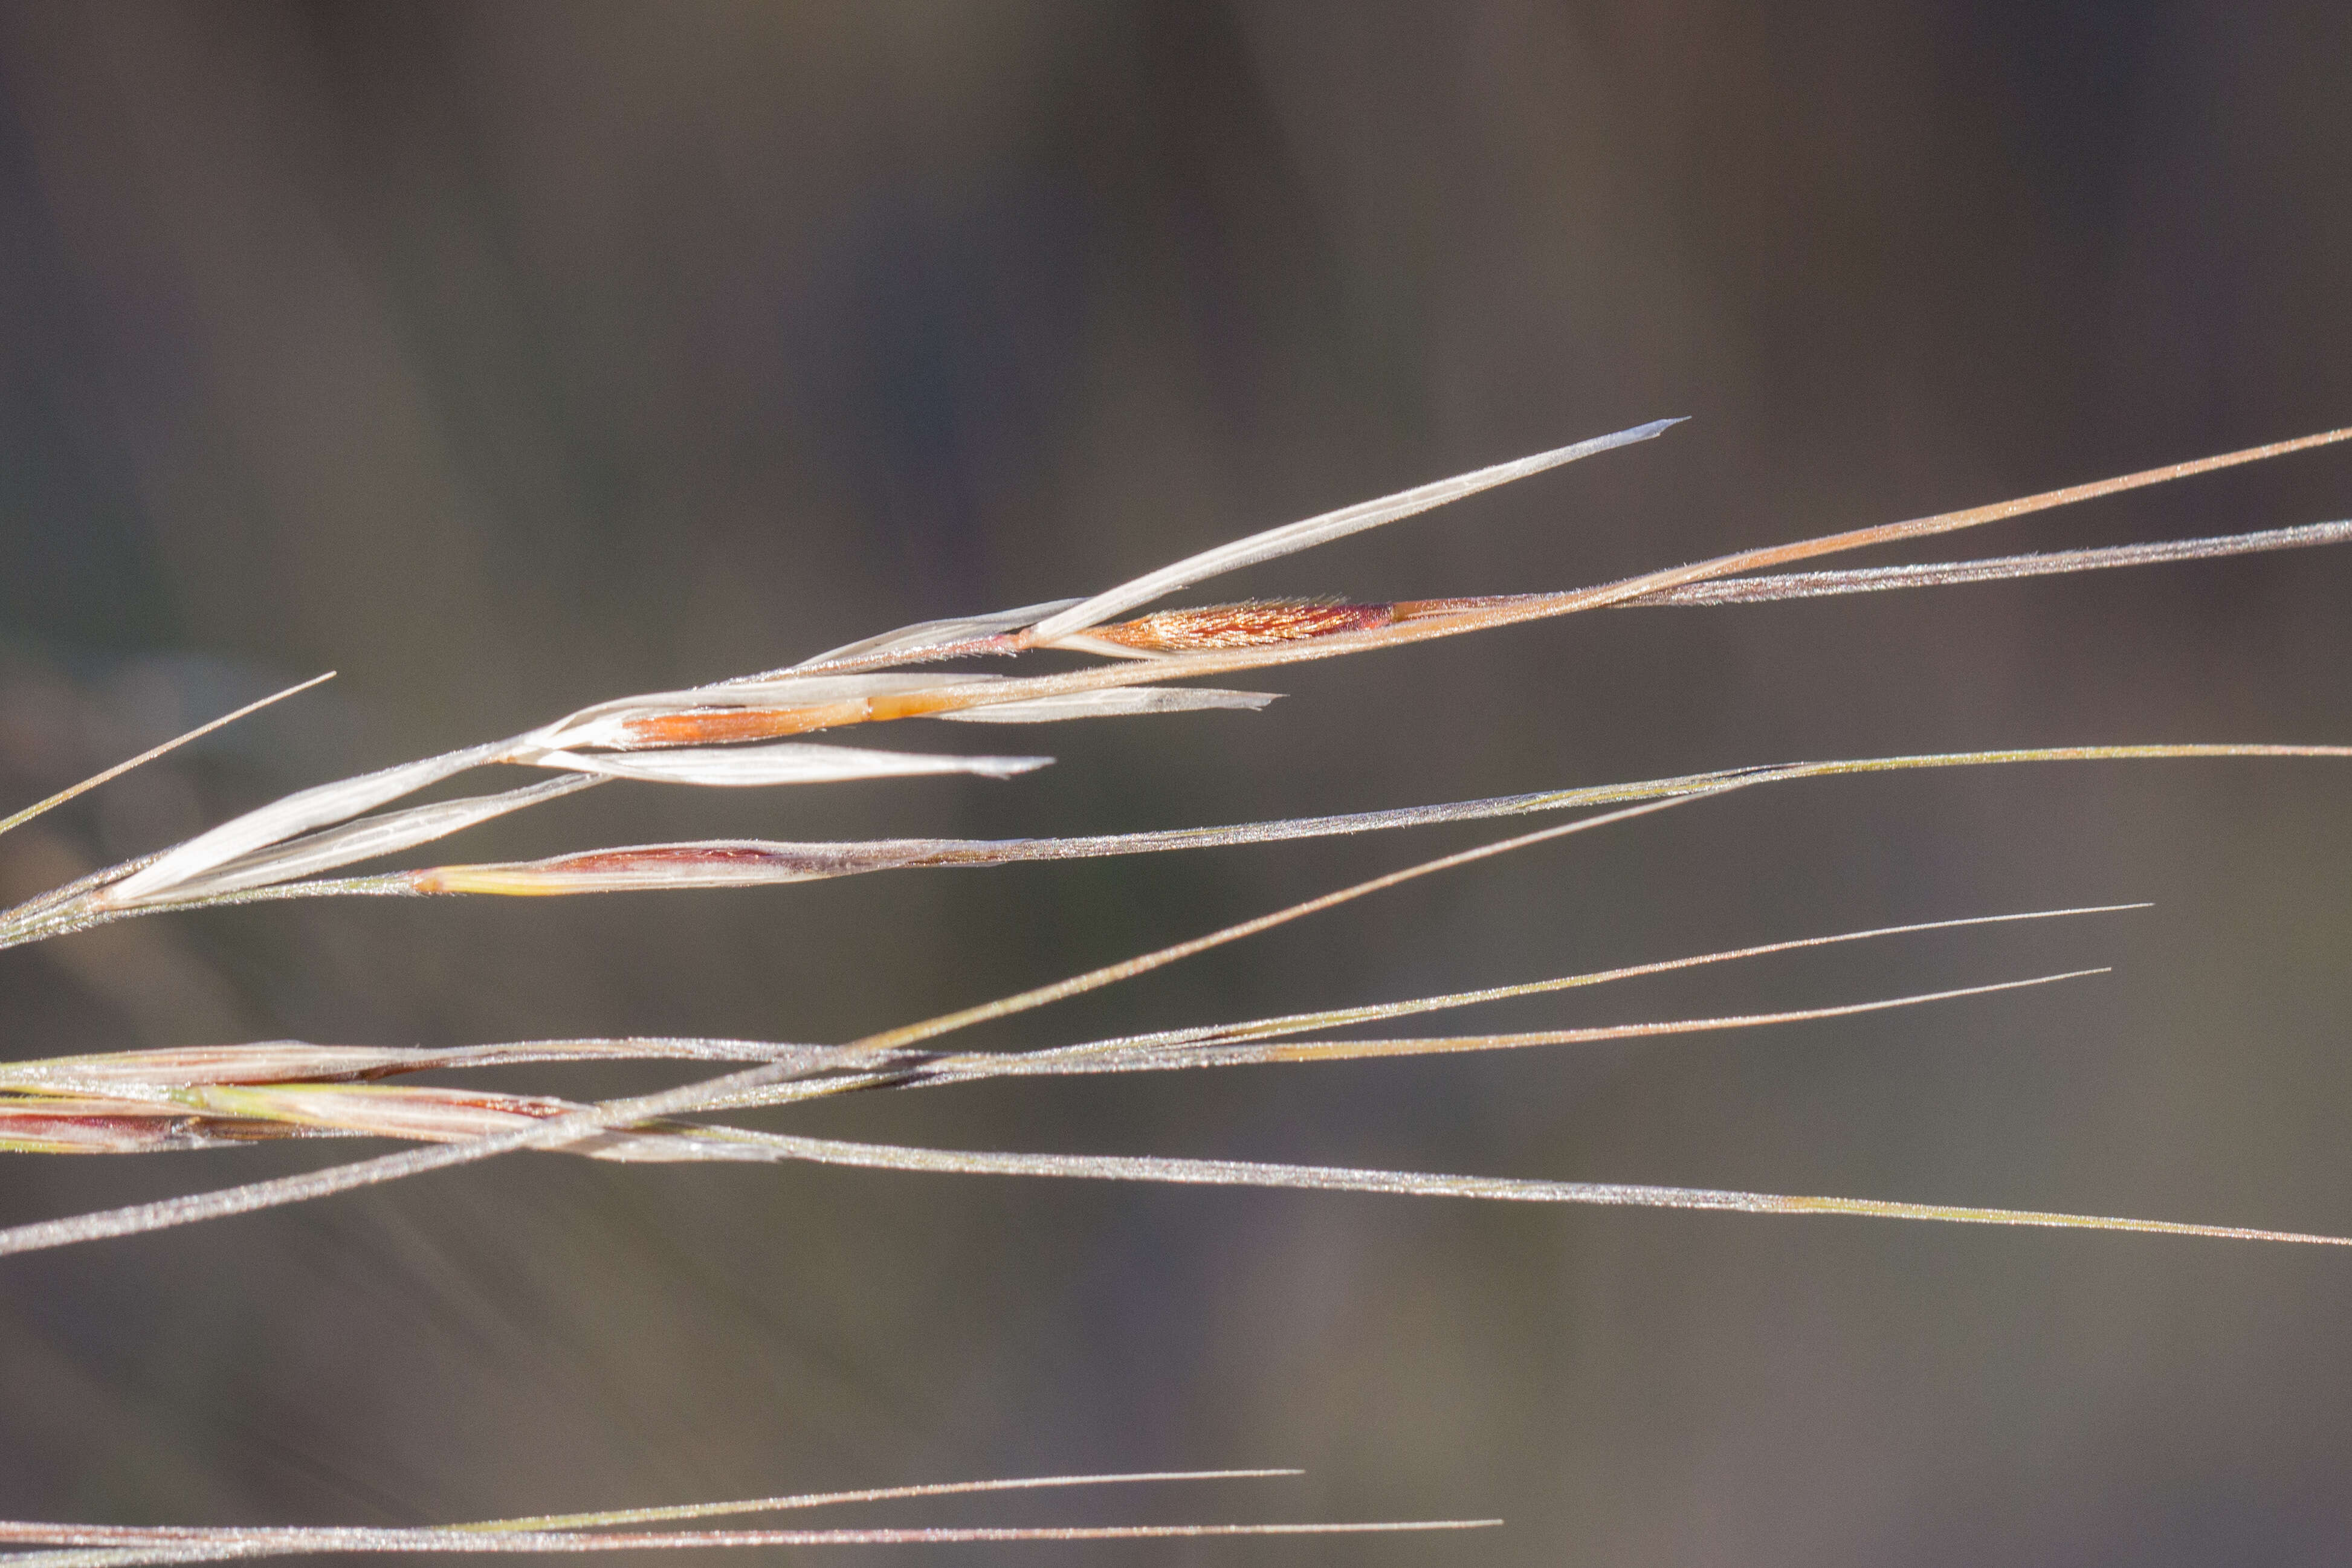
[(1250, 625), (717, 727), (654, 857)]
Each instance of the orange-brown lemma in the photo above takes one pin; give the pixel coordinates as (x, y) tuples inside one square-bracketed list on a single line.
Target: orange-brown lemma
[(1249, 625)]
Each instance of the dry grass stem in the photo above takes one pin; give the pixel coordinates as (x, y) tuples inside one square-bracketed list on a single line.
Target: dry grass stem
[(134, 1546)]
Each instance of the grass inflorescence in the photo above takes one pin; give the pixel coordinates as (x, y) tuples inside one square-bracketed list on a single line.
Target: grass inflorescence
[(752, 731)]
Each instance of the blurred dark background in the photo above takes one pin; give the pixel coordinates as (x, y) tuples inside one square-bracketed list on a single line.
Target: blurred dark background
[(508, 357)]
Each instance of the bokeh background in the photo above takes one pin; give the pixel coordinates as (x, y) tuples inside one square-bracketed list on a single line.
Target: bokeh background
[(507, 357)]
